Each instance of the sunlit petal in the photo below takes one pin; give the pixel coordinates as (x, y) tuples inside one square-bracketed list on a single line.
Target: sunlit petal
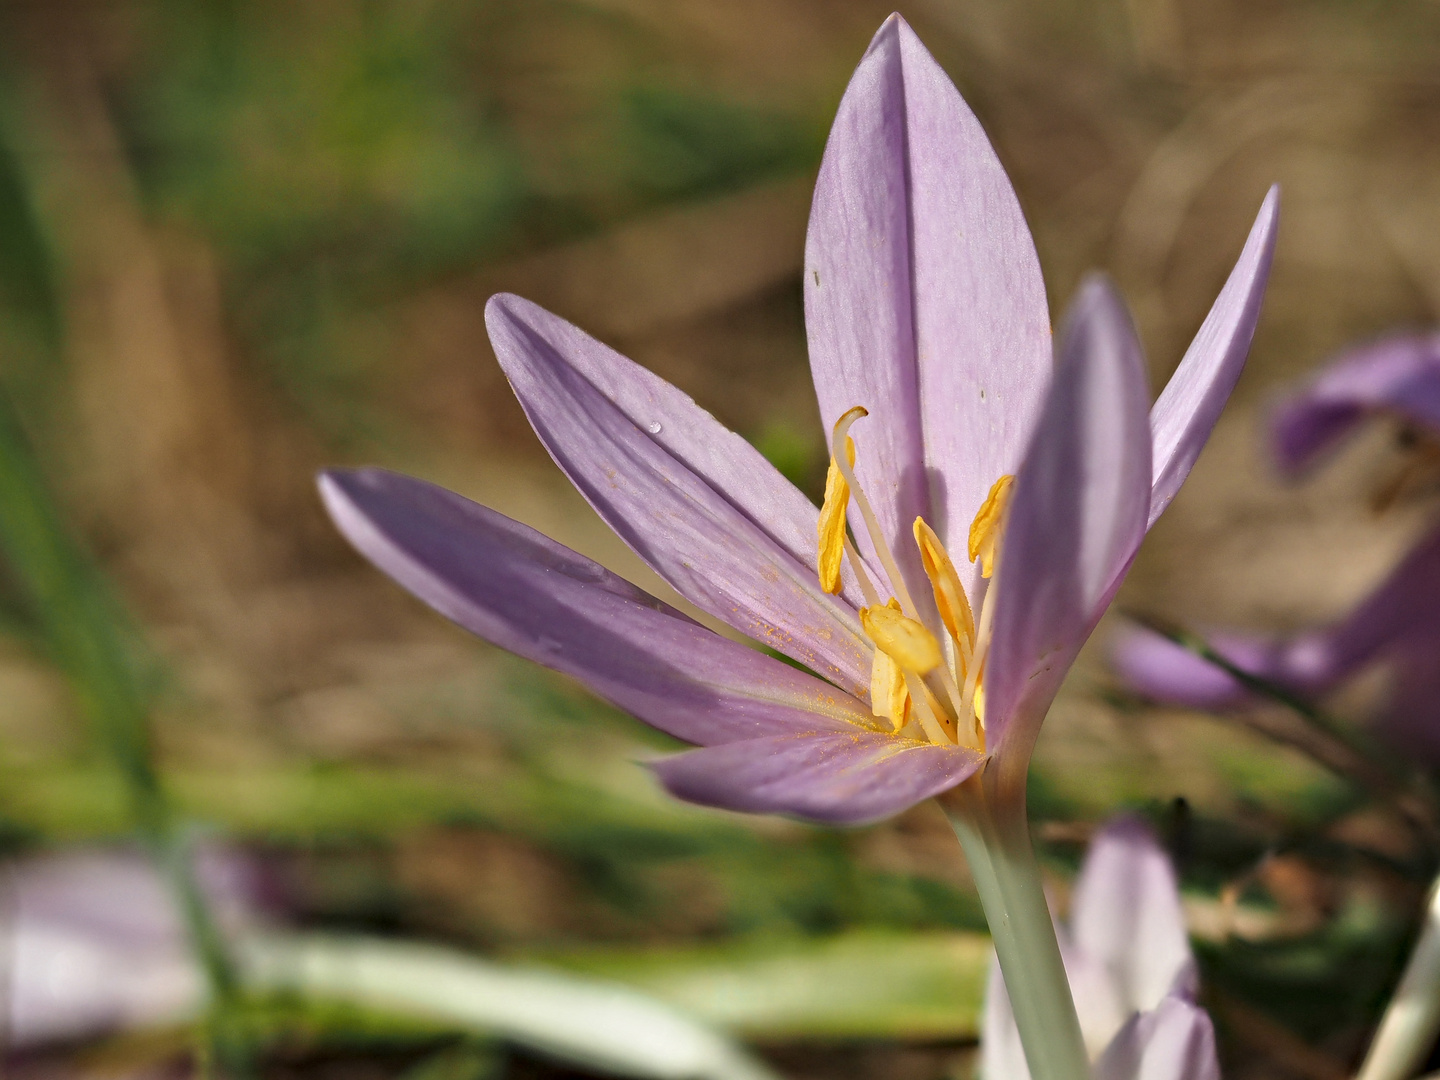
[(1078, 513), (526, 593), (834, 777), (1186, 411)]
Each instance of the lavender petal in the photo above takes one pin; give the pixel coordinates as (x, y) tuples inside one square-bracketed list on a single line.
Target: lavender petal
[(1125, 912), (1078, 514), (838, 778), (524, 592), (859, 302), (1176, 1041), (711, 550), (923, 296), (1398, 375), (1186, 411), (1157, 668), (950, 308), (1398, 617)]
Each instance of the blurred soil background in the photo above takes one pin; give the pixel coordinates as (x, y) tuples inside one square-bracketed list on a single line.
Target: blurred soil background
[(239, 242)]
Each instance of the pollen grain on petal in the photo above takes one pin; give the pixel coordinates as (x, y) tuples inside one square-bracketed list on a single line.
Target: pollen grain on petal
[(830, 529), (950, 596), (904, 640), (989, 522)]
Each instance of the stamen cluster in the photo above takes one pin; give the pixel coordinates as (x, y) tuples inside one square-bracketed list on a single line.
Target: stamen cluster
[(917, 677)]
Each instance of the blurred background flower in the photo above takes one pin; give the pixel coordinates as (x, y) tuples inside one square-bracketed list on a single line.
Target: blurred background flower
[(94, 944), (239, 242)]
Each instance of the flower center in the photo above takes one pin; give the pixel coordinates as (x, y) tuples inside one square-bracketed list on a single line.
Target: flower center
[(918, 677)]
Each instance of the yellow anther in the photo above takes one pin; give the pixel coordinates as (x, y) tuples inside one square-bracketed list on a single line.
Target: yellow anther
[(889, 697), (867, 512), (831, 526), (950, 595), (904, 640), (985, 529), (979, 703)]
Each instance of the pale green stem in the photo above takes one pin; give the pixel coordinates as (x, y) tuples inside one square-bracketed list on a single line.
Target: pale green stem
[(1407, 1030), (996, 838)]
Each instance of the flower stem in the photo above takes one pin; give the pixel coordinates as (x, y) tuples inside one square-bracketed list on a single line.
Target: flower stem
[(1407, 1030), (995, 835)]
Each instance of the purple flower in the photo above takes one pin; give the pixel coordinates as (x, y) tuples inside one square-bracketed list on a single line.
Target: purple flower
[(93, 942), (930, 343), (1130, 969), (1399, 375), (1398, 623)]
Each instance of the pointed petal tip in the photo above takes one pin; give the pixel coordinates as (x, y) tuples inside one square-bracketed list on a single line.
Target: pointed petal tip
[(514, 318), (333, 486), (1131, 829), (899, 39), (1188, 407), (327, 486), (1097, 290), (341, 489), (1267, 222), (506, 305), (345, 493), (894, 23), (1093, 280), (338, 476), (1099, 309), (1099, 319), (505, 315), (885, 34)]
